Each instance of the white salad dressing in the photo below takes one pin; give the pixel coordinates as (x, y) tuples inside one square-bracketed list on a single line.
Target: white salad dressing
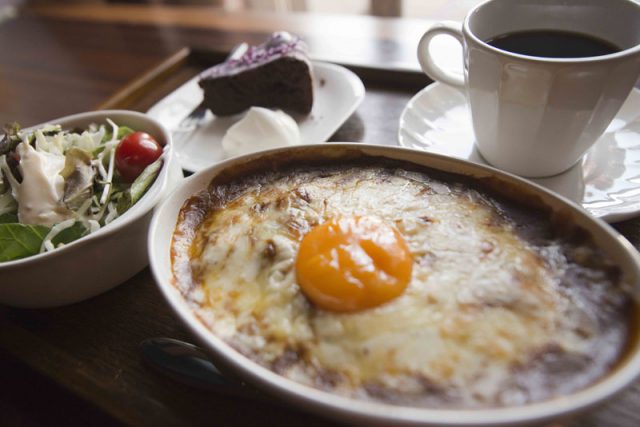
[(260, 129), (40, 193)]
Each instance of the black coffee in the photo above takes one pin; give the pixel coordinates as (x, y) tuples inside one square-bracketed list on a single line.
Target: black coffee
[(553, 44)]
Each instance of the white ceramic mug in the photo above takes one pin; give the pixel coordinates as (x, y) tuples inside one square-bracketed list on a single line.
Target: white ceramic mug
[(537, 116)]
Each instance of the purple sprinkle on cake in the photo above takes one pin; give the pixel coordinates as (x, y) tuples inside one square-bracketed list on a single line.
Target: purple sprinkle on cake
[(278, 45)]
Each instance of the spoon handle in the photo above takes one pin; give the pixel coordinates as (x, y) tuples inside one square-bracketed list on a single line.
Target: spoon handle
[(188, 364)]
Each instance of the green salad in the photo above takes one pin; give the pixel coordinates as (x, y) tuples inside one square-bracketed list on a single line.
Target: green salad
[(59, 185)]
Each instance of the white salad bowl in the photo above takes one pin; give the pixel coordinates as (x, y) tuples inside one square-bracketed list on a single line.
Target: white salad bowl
[(101, 260), (371, 413)]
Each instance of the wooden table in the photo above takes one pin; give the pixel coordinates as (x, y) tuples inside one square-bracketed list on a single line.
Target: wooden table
[(57, 61)]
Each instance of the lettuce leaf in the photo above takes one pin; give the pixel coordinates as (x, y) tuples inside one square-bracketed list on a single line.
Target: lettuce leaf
[(122, 132), (20, 240), (8, 218), (139, 186), (70, 234)]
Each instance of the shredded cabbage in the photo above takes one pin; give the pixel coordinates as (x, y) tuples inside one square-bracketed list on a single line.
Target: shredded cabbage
[(47, 244)]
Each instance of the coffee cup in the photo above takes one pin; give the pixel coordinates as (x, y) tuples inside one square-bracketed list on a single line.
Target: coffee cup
[(543, 78)]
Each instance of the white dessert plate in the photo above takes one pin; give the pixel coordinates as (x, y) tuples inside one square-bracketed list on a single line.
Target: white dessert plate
[(606, 182), (337, 94)]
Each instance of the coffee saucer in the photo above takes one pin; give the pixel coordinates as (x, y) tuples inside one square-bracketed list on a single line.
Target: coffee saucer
[(606, 182)]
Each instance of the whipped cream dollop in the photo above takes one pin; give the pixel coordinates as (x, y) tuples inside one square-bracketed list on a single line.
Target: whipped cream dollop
[(260, 129)]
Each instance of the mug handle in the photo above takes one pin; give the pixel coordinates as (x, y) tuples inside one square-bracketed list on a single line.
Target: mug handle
[(428, 64)]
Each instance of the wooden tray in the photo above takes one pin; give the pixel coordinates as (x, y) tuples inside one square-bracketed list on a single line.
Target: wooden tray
[(92, 348)]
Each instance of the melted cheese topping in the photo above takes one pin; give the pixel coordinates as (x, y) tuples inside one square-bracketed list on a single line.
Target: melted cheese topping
[(483, 309)]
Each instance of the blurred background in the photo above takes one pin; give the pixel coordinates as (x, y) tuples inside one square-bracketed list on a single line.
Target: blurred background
[(391, 8)]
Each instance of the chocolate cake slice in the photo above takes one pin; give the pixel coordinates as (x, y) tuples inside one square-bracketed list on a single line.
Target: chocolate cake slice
[(275, 74)]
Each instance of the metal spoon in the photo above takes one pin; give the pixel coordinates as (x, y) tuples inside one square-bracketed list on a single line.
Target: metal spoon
[(190, 365)]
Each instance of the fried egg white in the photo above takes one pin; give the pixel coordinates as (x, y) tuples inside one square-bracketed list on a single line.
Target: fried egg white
[(484, 310)]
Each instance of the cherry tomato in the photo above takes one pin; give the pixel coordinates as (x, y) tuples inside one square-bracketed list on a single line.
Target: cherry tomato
[(135, 152)]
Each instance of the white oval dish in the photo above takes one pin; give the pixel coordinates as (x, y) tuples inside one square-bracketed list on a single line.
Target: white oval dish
[(337, 91), (104, 259), (620, 251)]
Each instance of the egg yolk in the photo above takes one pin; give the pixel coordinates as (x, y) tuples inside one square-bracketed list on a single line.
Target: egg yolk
[(353, 263)]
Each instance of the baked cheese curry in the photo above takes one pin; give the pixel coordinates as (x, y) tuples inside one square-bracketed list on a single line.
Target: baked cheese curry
[(386, 281)]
